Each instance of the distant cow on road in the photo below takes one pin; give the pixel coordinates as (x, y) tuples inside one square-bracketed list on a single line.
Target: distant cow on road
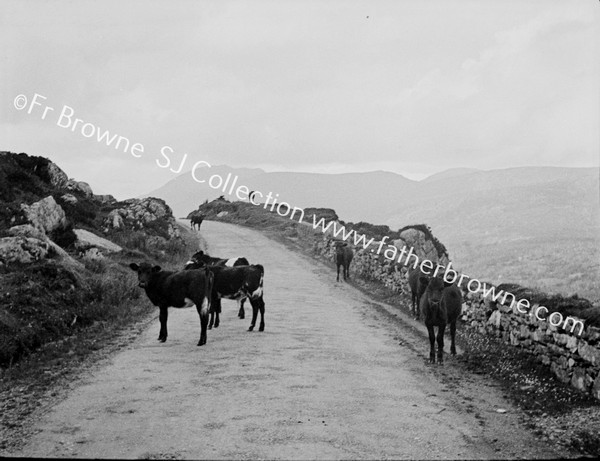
[(196, 220), (201, 259), (343, 258), (176, 289)]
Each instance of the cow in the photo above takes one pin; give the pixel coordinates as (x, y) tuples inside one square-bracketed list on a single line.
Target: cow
[(201, 259), (343, 258), (196, 220), (417, 282), (441, 305), (238, 283), (177, 289)]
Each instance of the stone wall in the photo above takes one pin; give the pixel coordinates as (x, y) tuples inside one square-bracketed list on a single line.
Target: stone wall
[(573, 359)]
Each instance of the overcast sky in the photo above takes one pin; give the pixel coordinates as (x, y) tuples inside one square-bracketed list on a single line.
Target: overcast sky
[(413, 87)]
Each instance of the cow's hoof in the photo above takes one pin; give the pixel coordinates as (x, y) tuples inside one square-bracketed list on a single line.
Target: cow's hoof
[(251, 328), (261, 328), (162, 340)]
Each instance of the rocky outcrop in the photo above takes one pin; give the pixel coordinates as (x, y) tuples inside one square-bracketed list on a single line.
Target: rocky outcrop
[(45, 215), (80, 186), (69, 198), (105, 199), (148, 213), (54, 175), (424, 247), (25, 234), (22, 250), (87, 240)]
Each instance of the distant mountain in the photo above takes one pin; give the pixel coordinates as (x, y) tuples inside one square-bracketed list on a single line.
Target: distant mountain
[(452, 172), (527, 224)]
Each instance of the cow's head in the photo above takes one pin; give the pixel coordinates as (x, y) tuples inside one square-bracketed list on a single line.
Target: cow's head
[(434, 291), (144, 272)]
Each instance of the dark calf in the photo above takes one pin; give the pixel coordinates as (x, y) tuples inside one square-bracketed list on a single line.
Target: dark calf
[(434, 316), (176, 289), (201, 259), (196, 220), (343, 258), (452, 303), (441, 305), (418, 282)]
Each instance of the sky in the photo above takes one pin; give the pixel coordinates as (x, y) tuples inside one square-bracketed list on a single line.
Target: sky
[(327, 86)]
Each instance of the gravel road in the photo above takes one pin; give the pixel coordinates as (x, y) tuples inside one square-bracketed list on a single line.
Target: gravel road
[(332, 376)]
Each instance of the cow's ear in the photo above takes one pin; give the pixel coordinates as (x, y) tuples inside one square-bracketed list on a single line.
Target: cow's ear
[(156, 269), (134, 266)]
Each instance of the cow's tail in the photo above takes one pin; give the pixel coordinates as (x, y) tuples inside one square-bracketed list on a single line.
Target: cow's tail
[(256, 291), (208, 286)]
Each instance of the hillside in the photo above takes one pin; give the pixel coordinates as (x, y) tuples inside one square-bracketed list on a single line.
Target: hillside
[(64, 255), (539, 226)]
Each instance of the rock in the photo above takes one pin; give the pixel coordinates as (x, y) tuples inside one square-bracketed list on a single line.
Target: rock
[(54, 251), (69, 198), (108, 199), (578, 380), (596, 387), (46, 215), (22, 249), (87, 240), (57, 177), (93, 254), (81, 187), (589, 353), (137, 214), (222, 213), (26, 230)]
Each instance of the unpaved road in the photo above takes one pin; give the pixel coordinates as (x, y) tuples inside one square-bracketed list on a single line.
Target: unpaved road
[(328, 378)]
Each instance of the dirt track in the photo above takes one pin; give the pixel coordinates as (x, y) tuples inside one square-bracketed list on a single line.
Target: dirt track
[(332, 376)]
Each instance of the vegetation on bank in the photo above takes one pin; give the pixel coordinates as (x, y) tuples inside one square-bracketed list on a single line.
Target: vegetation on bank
[(54, 298)]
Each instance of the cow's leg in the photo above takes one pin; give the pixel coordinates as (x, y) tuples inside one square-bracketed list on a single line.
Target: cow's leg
[(203, 310), (261, 306), (431, 333), (338, 273), (452, 337), (241, 312), (440, 341), (255, 308), (346, 272), (214, 310), (162, 316)]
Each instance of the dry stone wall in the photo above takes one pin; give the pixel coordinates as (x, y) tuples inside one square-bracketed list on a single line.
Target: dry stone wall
[(573, 358)]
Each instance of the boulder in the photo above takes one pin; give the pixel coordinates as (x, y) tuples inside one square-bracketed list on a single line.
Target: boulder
[(69, 198), (81, 187), (22, 249), (137, 214), (87, 240), (108, 199), (46, 215), (28, 231), (57, 177)]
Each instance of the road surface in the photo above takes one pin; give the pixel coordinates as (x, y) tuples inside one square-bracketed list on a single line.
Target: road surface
[(328, 378)]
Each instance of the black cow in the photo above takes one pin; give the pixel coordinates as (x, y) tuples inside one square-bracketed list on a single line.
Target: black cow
[(196, 220), (418, 282), (201, 259), (441, 305), (177, 289), (343, 258)]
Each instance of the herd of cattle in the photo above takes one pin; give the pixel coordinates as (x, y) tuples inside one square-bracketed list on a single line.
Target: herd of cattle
[(205, 280)]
